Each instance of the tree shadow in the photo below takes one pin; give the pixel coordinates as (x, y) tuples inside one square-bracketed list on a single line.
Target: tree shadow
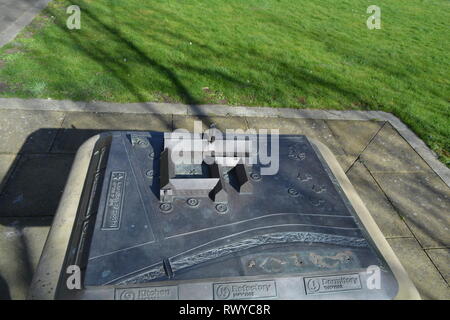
[(248, 61)]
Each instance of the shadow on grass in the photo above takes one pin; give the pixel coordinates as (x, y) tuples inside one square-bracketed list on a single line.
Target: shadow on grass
[(250, 60), (118, 69)]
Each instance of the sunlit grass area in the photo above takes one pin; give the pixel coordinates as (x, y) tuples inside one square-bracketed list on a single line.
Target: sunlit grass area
[(279, 53)]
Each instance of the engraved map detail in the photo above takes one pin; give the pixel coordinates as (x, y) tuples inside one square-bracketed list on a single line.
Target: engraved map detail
[(113, 209)]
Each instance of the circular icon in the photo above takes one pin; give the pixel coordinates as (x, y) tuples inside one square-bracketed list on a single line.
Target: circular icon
[(165, 207), (313, 285), (221, 208), (292, 192), (149, 174), (127, 295), (223, 292), (255, 176), (142, 142), (192, 202)]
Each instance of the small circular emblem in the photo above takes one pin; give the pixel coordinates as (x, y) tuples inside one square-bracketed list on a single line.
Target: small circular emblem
[(255, 176), (127, 295), (192, 202), (223, 292), (292, 192), (313, 285), (221, 208), (165, 207)]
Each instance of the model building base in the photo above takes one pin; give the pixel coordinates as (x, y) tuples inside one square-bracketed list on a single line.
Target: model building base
[(140, 224)]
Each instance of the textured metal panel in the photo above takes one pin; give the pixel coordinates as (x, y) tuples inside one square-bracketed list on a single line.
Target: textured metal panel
[(284, 229)]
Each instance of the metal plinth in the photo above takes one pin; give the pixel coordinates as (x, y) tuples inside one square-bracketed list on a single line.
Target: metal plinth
[(140, 227)]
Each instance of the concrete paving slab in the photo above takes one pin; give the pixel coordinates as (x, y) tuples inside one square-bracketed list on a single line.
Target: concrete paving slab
[(244, 111), (441, 259), (389, 152), (15, 15), (419, 146), (387, 219), (140, 107), (35, 186), (80, 126), (423, 200), (42, 105), (420, 269), (117, 121), (354, 138), (316, 129), (21, 244), (6, 166), (20, 131), (225, 111), (221, 123)]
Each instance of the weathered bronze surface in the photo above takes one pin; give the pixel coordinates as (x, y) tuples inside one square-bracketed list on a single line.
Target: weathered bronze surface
[(149, 228)]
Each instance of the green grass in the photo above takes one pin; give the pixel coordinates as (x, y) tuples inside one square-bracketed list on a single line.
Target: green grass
[(279, 53)]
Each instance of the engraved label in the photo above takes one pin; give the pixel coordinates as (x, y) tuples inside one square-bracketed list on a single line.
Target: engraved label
[(147, 293), (244, 290), (114, 201), (328, 284)]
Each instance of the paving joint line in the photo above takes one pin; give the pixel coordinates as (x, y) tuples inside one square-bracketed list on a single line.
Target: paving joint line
[(434, 264), (393, 206), (367, 145), (58, 130)]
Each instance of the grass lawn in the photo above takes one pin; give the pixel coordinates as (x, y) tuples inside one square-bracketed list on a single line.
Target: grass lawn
[(279, 53)]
